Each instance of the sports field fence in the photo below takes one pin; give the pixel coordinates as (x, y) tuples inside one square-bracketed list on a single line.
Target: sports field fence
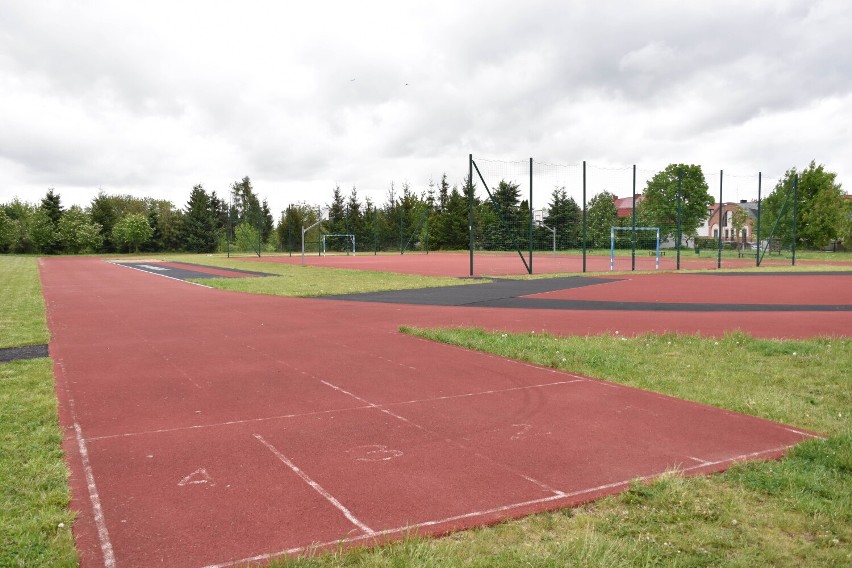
[(589, 218)]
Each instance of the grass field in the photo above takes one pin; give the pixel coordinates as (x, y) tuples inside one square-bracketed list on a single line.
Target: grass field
[(793, 512), (22, 319)]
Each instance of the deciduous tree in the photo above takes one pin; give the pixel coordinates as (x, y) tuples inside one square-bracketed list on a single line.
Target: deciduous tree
[(132, 230), (660, 204)]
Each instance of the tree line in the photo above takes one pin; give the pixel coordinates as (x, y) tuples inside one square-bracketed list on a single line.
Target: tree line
[(434, 219)]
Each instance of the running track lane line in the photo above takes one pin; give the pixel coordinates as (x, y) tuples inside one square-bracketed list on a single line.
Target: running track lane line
[(91, 486), (422, 428), (426, 524), (316, 486), (94, 497), (320, 412)]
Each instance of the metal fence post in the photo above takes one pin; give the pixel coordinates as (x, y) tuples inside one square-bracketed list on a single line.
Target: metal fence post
[(679, 228), (531, 217), (633, 225), (795, 213), (470, 208), (721, 206), (584, 215), (759, 184)]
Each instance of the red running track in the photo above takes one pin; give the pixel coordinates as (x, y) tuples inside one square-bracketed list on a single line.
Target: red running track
[(718, 288), (206, 428)]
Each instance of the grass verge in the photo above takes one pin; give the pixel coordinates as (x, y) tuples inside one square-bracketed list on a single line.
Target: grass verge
[(35, 522), (793, 512), (22, 320)]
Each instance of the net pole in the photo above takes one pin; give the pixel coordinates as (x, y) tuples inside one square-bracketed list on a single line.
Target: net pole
[(633, 225), (721, 206), (470, 208)]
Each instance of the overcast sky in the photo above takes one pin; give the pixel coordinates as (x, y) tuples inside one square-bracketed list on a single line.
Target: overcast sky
[(150, 97)]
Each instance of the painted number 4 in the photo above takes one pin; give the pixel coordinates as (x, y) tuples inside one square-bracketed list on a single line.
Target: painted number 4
[(374, 453)]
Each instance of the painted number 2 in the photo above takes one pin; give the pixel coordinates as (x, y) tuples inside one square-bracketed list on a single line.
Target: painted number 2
[(374, 453)]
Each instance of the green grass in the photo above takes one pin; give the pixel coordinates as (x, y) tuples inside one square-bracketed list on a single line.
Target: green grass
[(35, 522), (307, 281), (22, 320)]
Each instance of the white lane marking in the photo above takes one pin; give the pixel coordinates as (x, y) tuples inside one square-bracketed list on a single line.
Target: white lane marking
[(504, 467), (480, 393), (228, 423), (408, 529), (699, 460), (94, 497), (316, 486), (799, 432)]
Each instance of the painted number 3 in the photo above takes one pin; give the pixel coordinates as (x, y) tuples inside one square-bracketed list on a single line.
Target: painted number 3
[(374, 453)]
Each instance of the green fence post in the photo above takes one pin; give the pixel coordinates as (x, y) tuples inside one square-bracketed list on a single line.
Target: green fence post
[(679, 228), (531, 216), (759, 184), (795, 213), (633, 225), (721, 206), (584, 215), (470, 208)]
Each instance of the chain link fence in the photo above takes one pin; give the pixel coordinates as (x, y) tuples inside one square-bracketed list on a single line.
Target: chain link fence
[(598, 217)]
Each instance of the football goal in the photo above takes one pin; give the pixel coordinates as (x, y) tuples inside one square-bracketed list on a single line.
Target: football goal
[(345, 242), (613, 230)]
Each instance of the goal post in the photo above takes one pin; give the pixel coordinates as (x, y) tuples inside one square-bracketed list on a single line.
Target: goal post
[(349, 236), (612, 232)]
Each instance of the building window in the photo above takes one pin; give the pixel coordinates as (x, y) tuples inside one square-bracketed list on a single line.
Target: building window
[(715, 233)]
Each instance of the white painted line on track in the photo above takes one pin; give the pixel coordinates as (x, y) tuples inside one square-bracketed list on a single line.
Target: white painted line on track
[(408, 529), (808, 434), (94, 497), (482, 393), (366, 405), (316, 486), (456, 443), (118, 263), (699, 460), (228, 423)]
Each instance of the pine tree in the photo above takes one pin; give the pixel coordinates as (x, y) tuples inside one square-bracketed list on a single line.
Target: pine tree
[(46, 226), (199, 224)]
